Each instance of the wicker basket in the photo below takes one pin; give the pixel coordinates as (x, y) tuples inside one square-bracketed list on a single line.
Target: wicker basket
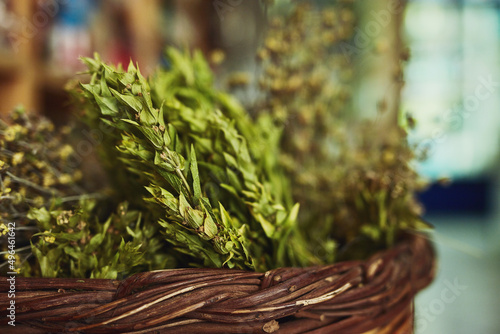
[(373, 296)]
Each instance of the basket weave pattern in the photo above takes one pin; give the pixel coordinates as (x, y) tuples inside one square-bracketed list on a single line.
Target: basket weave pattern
[(373, 296)]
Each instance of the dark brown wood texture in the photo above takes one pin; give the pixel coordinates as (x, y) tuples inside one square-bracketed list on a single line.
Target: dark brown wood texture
[(373, 296)]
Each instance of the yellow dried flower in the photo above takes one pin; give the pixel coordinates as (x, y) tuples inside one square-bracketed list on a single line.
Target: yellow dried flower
[(217, 56), (65, 151), (45, 125), (40, 164), (38, 201), (48, 180), (6, 191), (10, 134), (16, 256), (17, 158), (50, 239), (18, 198), (239, 79), (3, 229), (7, 181), (65, 179)]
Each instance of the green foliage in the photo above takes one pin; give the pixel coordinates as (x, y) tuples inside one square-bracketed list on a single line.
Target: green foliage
[(76, 244), (213, 199)]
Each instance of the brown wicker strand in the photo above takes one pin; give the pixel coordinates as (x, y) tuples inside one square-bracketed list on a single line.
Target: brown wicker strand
[(373, 296)]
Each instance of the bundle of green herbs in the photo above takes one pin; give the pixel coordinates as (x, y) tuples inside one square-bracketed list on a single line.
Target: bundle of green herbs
[(177, 148), (194, 180)]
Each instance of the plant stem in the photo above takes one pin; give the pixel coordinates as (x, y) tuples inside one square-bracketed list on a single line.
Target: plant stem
[(32, 185)]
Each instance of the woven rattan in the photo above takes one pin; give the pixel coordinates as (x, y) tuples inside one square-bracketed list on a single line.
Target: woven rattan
[(373, 296)]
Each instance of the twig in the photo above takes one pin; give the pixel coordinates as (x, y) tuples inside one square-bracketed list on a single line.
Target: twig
[(32, 185), (79, 197), (17, 250)]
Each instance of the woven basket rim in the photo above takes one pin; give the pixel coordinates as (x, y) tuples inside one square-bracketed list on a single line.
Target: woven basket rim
[(346, 297)]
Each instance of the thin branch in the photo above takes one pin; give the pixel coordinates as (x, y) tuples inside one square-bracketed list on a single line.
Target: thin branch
[(32, 185), (79, 197), (17, 250)]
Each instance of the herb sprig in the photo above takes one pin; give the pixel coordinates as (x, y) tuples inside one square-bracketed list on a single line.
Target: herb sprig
[(212, 198)]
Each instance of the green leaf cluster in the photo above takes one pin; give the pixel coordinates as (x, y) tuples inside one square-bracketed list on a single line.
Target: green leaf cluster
[(180, 141), (74, 243)]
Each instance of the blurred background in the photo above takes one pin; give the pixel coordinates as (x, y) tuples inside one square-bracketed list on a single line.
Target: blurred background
[(451, 87)]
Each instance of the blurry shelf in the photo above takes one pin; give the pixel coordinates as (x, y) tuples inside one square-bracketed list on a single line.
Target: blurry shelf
[(26, 78), (9, 63), (54, 79), (18, 69)]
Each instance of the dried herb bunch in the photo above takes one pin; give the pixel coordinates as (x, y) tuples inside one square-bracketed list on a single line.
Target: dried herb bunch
[(211, 197), (353, 180), (36, 171), (305, 78), (56, 218)]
